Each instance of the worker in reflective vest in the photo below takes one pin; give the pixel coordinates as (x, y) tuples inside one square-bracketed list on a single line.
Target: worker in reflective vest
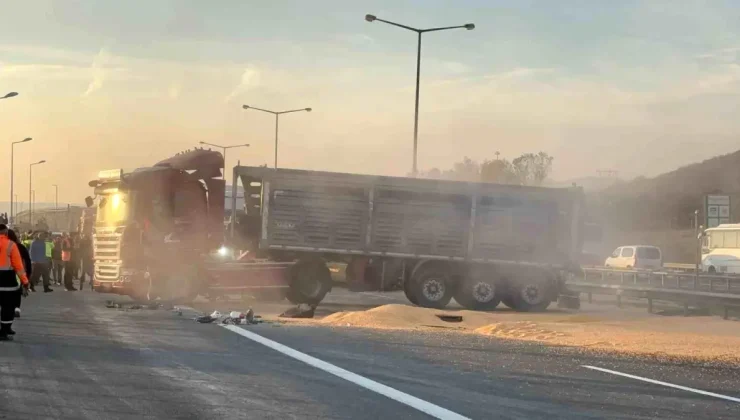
[(12, 277)]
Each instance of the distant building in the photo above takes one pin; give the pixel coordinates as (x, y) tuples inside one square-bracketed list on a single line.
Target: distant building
[(56, 219)]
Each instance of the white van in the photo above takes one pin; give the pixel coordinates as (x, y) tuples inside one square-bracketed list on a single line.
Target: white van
[(636, 256), (721, 249)]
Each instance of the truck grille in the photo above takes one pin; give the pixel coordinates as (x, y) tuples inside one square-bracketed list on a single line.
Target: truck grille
[(107, 252)]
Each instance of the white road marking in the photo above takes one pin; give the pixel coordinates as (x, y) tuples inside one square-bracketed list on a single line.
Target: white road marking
[(394, 394), (670, 385)]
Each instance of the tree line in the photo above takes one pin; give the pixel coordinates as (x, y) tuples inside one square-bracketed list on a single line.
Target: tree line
[(527, 169)]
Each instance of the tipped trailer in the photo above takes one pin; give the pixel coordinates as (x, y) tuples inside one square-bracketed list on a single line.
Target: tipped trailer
[(479, 243)]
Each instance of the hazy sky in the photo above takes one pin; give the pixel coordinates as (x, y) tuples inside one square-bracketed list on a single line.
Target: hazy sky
[(636, 86)]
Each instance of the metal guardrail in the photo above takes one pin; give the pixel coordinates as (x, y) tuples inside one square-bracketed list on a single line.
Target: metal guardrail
[(665, 279), (679, 266), (683, 288)]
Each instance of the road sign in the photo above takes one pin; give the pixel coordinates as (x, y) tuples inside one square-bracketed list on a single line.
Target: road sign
[(716, 210)]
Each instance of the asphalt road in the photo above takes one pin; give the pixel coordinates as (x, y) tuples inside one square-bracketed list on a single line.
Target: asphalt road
[(74, 358)]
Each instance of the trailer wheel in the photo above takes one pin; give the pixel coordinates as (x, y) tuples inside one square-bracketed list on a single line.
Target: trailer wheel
[(310, 282), (432, 285), (408, 292), (478, 294), (530, 296)]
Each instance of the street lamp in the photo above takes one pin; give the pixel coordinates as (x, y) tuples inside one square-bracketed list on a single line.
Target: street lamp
[(12, 148), (30, 198), (224, 148), (9, 95), (277, 120), (468, 26)]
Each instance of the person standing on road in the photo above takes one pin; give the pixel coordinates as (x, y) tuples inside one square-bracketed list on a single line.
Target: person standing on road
[(27, 265), (75, 241), (11, 266), (68, 263), (56, 260), (40, 261), (87, 261), (27, 238)]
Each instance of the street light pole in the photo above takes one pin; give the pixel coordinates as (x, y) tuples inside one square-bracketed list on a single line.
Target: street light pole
[(277, 122), (30, 197), (56, 206), (419, 32), (224, 149), (12, 153), (9, 95)]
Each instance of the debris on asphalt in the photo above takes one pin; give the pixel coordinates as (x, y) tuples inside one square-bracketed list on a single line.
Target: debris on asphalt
[(205, 319), (216, 314), (301, 311), (177, 310), (449, 318), (111, 304), (135, 306)]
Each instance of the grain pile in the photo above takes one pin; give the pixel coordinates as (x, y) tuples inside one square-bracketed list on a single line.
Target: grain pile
[(705, 338)]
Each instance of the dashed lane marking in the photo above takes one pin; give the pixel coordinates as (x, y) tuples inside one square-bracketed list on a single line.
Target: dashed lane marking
[(392, 393)]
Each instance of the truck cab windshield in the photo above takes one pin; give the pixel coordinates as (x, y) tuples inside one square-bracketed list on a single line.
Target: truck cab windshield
[(113, 209)]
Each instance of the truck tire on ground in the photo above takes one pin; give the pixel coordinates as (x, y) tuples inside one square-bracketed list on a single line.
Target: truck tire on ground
[(180, 285), (478, 293), (310, 281), (431, 285), (530, 296), (409, 293)]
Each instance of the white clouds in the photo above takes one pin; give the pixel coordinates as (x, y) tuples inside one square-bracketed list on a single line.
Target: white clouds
[(249, 80), (724, 55), (98, 71), (456, 67)]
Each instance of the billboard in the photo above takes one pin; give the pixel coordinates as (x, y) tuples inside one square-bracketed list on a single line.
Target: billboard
[(716, 210)]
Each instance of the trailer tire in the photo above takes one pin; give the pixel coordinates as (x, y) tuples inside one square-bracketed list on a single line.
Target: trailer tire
[(530, 296), (431, 284), (478, 294), (310, 281), (408, 292)]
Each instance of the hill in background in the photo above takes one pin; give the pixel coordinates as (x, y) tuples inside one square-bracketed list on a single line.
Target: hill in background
[(660, 210)]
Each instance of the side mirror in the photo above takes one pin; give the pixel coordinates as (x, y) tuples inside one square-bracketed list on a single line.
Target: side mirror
[(89, 201)]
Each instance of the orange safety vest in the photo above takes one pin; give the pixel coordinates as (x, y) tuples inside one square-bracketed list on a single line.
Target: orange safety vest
[(66, 255), (10, 265)]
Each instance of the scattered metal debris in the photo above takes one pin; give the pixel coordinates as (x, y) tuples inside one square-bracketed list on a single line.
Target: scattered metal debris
[(301, 311), (205, 319)]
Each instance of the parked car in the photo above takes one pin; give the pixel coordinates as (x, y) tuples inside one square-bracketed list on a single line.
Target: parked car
[(636, 256)]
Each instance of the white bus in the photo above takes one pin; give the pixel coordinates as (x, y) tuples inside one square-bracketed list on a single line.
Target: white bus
[(720, 249)]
